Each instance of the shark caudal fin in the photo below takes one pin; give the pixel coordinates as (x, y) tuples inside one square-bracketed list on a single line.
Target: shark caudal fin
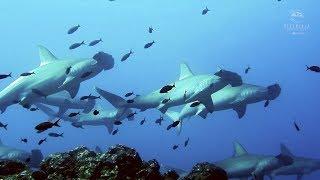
[(46, 56), (285, 150), (239, 150), (174, 116), (36, 158)]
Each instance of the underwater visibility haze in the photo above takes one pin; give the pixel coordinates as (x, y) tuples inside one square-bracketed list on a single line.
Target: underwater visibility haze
[(182, 82)]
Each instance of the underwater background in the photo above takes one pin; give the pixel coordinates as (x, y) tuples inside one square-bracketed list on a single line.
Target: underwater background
[(233, 35)]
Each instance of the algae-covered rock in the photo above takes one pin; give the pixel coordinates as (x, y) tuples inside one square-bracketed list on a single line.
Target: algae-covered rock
[(206, 171)]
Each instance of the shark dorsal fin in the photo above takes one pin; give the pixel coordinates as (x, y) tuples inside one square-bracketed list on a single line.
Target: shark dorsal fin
[(284, 150), (46, 56), (239, 150), (185, 71)]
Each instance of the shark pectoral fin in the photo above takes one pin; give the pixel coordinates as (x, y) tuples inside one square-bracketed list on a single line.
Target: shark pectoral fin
[(73, 90), (208, 103), (162, 108), (240, 110), (67, 81), (109, 126), (175, 116), (63, 108), (203, 113)]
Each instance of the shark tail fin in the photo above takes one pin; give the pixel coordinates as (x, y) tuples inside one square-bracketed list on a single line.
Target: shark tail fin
[(174, 116), (285, 150), (36, 158), (109, 125)]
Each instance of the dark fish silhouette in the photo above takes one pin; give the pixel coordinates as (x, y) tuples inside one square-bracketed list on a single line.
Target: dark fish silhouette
[(27, 74), (3, 76), (74, 114), (39, 93), (130, 101), (165, 101), (55, 135), (86, 74), (205, 11), (296, 126), (77, 125), (159, 121), (117, 123), (150, 30), (247, 70), (68, 70), (115, 132), (148, 45), (76, 45), (129, 94), (3, 126), (95, 42), (175, 147), (175, 124), (169, 127), (42, 140), (167, 88), (195, 104), (126, 56), (90, 97), (314, 68), (73, 29), (143, 121), (266, 104), (34, 109), (24, 140), (46, 125), (131, 115), (186, 142), (96, 112)]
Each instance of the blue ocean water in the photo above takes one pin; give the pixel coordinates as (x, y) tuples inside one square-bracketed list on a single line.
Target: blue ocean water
[(232, 35)]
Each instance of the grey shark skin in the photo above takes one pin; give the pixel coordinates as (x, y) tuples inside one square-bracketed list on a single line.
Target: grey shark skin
[(236, 98), (64, 102), (9, 153), (300, 167), (244, 165), (104, 118), (187, 89), (51, 77)]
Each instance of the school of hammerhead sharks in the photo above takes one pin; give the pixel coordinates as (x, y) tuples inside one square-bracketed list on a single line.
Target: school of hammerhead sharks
[(56, 82)]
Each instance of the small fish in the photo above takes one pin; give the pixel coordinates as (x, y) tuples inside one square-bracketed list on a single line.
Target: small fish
[(167, 88), (266, 104), (90, 97), (27, 74), (26, 106), (165, 101), (28, 160), (247, 70), (3, 126), (169, 127), (39, 93), (148, 45), (96, 112), (42, 140), (205, 11), (24, 140), (313, 68), (129, 94), (55, 135), (76, 45), (150, 30), (3, 76), (130, 101), (126, 56), (68, 70), (143, 121), (175, 147), (115, 132), (86, 74), (46, 125), (186, 142), (95, 42), (195, 104), (296, 126), (77, 125), (131, 115), (117, 123), (175, 124), (74, 114), (159, 121), (73, 29), (34, 109)]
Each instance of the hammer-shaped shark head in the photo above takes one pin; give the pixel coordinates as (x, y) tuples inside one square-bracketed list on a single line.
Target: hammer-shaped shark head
[(233, 78)]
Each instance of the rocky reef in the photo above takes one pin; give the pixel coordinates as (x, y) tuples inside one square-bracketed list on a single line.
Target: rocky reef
[(118, 163)]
